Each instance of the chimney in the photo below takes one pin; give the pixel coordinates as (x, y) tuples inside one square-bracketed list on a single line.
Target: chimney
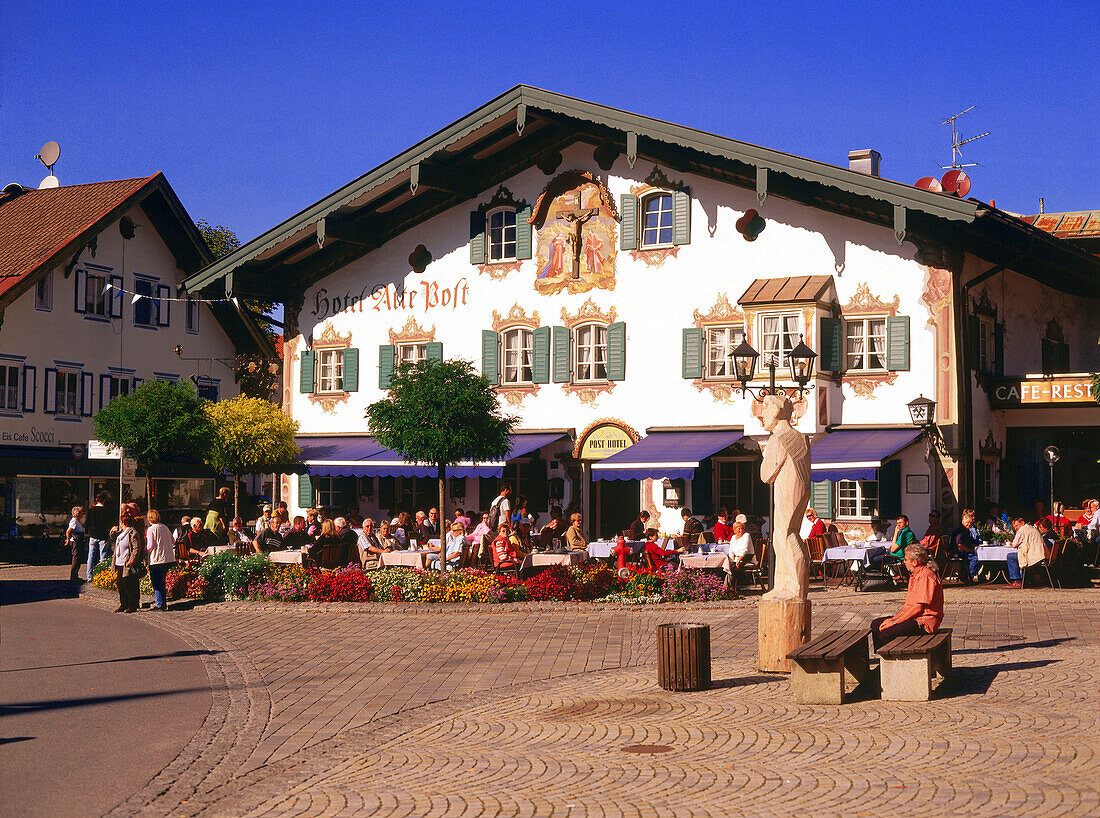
[(864, 161)]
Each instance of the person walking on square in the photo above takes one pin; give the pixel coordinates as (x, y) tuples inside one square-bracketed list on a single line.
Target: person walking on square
[(98, 530), (74, 539), (160, 553)]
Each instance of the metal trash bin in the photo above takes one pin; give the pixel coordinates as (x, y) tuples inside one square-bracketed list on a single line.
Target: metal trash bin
[(683, 657)]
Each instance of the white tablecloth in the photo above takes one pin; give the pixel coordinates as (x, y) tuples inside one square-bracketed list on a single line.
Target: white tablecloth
[(218, 549), (716, 559), (600, 549), (993, 553), (543, 560), (855, 551), (287, 557), (408, 559)]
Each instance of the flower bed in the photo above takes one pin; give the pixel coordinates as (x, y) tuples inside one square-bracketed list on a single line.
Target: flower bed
[(227, 575)]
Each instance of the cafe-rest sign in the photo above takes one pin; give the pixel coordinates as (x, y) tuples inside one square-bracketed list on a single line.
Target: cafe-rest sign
[(1063, 391), (603, 439)]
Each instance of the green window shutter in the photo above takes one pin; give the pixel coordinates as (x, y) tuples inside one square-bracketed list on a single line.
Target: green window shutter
[(351, 370), (889, 489), (523, 233), (628, 234), (306, 379), (540, 355), (681, 216), (832, 345), (561, 343), (490, 355), (616, 351), (693, 353), (897, 343), (998, 349), (386, 354), (821, 498), (477, 237), (305, 491), (435, 351)]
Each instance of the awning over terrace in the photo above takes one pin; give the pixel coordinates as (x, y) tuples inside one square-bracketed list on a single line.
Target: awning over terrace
[(856, 454), (671, 454)]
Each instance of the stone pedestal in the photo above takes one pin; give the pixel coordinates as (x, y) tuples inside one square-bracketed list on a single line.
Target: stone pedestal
[(783, 625)]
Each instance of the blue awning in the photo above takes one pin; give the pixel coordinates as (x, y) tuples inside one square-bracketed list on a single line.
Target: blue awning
[(856, 454), (665, 454), (363, 456)]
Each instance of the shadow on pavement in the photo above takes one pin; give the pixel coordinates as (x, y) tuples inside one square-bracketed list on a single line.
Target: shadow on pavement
[(22, 591), (172, 655), (65, 704), (1007, 646), (14, 739), (971, 681), (744, 681)]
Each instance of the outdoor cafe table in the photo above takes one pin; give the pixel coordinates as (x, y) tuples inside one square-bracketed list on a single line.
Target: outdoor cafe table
[(291, 557), (856, 556), (715, 559), (218, 549), (601, 549), (997, 554), (409, 559), (534, 561)]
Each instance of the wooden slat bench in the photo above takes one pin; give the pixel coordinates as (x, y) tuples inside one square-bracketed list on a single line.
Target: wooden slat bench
[(820, 668), (908, 663)]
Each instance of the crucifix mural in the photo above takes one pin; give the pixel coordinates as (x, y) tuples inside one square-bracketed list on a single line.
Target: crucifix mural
[(577, 217)]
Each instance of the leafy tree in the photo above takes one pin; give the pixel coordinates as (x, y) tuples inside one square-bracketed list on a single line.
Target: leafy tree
[(157, 421), (220, 239), (441, 412), (250, 436)]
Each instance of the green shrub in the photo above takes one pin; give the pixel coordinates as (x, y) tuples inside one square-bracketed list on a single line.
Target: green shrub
[(241, 573)]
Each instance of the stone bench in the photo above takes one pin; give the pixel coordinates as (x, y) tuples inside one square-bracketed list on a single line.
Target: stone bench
[(909, 662), (821, 667)]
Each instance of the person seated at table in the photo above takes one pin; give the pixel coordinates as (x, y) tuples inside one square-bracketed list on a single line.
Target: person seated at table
[(812, 526), (429, 528), (878, 531), (640, 524), (182, 528), (1029, 550), (553, 530), (723, 530), (922, 611), (400, 529), (521, 537), (997, 520), (741, 550), (965, 545), (348, 539), (296, 537), (1087, 528), (692, 528), (370, 547), (829, 526), (892, 561), (237, 534), (658, 556), (269, 539), (194, 543), (934, 531), (1059, 522), (328, 536), (453, 542), (313, 523), (1046, 532), (505, 555), (385, 536), (574, 537)]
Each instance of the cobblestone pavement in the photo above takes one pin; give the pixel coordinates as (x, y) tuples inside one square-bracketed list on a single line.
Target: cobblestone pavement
[(371, 709)]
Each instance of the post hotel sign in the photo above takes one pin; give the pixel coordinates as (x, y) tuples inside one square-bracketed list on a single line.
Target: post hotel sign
[(603, 439), (1065, 391)]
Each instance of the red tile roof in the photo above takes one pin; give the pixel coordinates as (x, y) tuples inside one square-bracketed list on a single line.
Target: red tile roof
[(35, 226), (1078, 225)]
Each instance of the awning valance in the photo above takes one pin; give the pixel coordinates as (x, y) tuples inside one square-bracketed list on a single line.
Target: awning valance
[(671, 454), (363, 456), (856, 454)]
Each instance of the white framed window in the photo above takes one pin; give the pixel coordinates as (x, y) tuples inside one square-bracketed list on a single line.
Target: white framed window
[(9, 388), (96, 300), (988, 480), (412, 353), (518, 350), (657, 220), (328, 492), (721, 342), (591, 352), (502, 235), (779, 335), (68, 393), (986, 350), (330, 370), (43, 293), (857, 498), (734, 482), (865, 344), (119, 385), (191, 311)]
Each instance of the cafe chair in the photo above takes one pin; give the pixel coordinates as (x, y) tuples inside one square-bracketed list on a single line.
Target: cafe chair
[(1051, 561)]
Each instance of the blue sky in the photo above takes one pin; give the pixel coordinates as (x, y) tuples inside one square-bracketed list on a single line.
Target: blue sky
[(256, 110)]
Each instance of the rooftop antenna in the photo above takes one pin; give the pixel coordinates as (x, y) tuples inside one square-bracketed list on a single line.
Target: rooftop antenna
[(48, 156), (956, 143)]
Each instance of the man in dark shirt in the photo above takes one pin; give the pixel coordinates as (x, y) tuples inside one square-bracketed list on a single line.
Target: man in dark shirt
[(297, 536), (98, 525), (692, 528), (640, 524), (429, 529), (349, 540), (962, 540)]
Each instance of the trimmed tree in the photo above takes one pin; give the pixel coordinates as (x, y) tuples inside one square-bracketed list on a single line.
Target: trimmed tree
[(157, 421), (441, 413), (250, 436)]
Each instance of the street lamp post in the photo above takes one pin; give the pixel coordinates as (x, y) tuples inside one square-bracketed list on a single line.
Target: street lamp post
[(922, 411)]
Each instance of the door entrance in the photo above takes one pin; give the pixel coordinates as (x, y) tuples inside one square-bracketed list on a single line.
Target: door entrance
[(616, 506)]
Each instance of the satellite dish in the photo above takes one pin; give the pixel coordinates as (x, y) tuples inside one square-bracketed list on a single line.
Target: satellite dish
[(957, 182), (1051, 455), (126, 227), (929, 183), (49, 182), (49, 154)]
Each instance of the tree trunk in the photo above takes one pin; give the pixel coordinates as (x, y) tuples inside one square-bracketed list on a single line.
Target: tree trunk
[(442, 517), (148, 488), (236, 495)]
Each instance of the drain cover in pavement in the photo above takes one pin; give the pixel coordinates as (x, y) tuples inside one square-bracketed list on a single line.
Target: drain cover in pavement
[(647, 748)]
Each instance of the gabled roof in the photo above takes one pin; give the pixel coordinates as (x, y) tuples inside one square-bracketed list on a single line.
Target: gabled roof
[(1079, 224), (529, 126)]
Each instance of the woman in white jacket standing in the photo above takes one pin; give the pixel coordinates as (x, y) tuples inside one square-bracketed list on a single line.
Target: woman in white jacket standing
[(160, 551)]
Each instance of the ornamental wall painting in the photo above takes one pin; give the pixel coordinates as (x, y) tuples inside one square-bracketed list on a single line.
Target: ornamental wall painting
[(577, 225)]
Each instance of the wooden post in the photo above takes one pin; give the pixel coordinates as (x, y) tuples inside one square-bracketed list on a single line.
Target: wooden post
[(783, 625)]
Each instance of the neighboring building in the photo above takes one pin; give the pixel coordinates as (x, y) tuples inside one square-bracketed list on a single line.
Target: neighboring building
[(594, 264), (71, 339)]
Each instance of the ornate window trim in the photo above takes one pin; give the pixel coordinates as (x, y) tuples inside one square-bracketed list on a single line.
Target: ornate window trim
[(517, 317), (655, 182), (515, 394), (722, 314), (412, 333), (327, 341), (864, 304), (587, 313)]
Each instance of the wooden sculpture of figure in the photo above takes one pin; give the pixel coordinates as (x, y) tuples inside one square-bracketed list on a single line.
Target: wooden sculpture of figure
[(787, 466)]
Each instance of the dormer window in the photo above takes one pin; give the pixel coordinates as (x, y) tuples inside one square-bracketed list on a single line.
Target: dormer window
[(502, 235)]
